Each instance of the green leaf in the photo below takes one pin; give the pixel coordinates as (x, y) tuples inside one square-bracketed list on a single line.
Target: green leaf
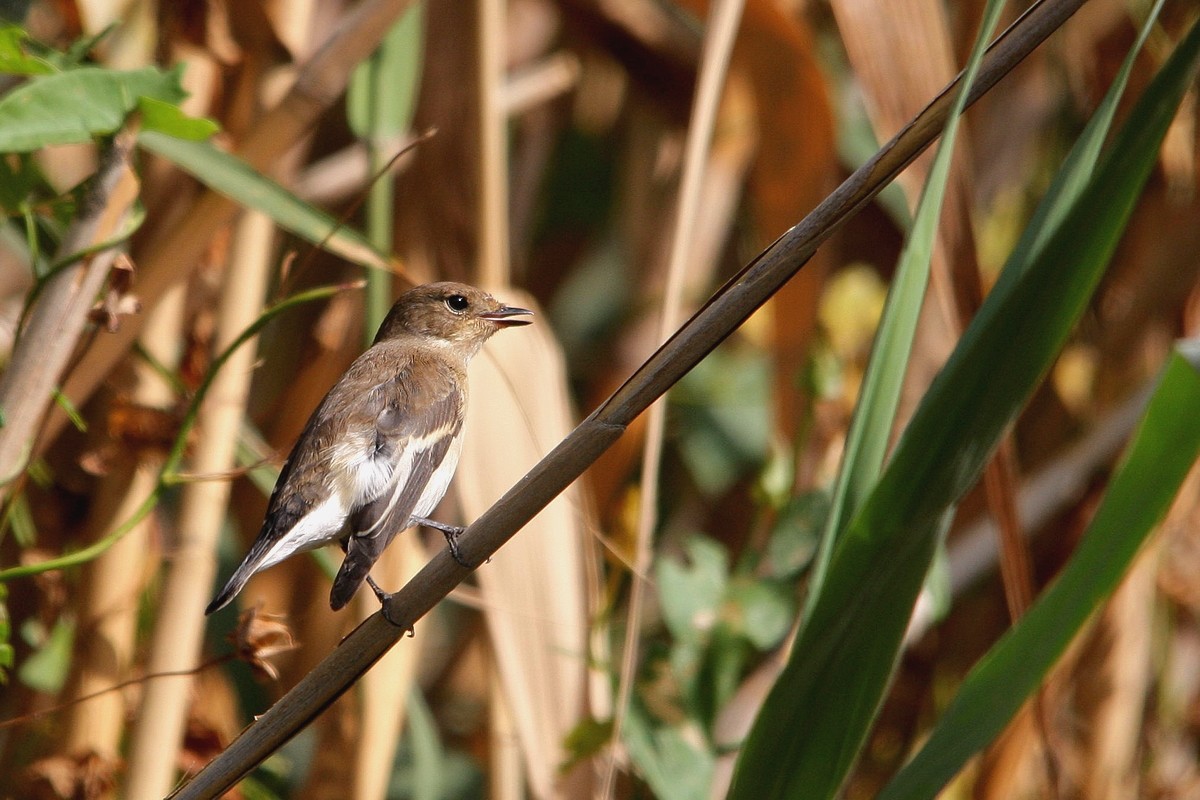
[(586, 740), (794, 539), (46, 669), (72, 107), (870, 428), (20, 178), (170, 119), (672, 763), (14, 59), (691, 593), (1164, 448), (429, 757), (762, 611), (64, 403), (238, 181), (20, 521), (834, 681)]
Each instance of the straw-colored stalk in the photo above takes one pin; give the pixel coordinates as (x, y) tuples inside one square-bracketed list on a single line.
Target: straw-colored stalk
[(61, 312), (386, 687), (107, 608), (1114, 684), (505, 774), (535, 598), (179, 626), (493, 265), (535, 592), (722, 28)]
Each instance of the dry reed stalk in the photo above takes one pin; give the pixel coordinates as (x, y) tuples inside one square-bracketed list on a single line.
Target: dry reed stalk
[(534, 593), (172, 256), (535, 606), (61, 312), (107, 610), (539, 83), (727, 309), (492, 267), (505, 773), (720, 33), (386, 686), (1114, 685), (179, 625)]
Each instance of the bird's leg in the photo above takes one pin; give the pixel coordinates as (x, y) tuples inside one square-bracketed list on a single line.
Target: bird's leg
[(383, 598), (451, 532), (379, 593)]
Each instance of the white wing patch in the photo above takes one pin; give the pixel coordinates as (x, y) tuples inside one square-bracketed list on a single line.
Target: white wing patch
[(439, 481), (434, 488)]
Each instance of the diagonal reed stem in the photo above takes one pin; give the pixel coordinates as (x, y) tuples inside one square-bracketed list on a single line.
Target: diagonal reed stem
[(719, 317)]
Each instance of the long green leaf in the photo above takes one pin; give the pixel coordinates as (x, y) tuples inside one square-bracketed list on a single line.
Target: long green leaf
[(238, 181), (816, 717), (1163, 450), (875, 412)]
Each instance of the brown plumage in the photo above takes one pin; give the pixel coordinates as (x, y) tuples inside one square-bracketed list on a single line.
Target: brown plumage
[(381, 448)]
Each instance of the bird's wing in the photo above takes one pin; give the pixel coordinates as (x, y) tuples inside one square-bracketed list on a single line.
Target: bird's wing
[(291, 501), (417, 422)]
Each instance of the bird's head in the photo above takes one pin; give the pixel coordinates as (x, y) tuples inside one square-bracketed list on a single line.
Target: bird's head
[(450, 313)]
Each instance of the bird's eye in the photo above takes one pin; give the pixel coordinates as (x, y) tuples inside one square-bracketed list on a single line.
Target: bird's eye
[(457, 303)]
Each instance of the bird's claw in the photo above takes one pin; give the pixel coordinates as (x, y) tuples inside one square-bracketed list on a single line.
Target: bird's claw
[(455, 550), (451, 532), (383, 598)]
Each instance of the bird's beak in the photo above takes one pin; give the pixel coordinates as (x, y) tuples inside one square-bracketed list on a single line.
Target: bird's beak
[(507, 316)]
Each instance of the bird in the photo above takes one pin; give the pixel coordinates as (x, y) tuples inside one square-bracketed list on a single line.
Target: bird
[(378, 453)]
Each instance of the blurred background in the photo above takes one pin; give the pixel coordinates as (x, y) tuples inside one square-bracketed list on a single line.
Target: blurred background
[(621, 644)]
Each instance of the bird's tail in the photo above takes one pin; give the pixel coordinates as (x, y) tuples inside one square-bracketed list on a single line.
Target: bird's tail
[(361, 554), (232, 587), (250, 565)]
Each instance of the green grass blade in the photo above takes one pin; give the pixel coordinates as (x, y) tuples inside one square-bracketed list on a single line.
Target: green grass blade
[(380, 105), (1077, 167), (818, 713), (1163, 450), (875, 412), (238, 181)]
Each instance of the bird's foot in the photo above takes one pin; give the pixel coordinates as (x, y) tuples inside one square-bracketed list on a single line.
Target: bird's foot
[(451, 532), (383, 598)]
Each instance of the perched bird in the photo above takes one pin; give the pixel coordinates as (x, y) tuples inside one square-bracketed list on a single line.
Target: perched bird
[(381, 448)]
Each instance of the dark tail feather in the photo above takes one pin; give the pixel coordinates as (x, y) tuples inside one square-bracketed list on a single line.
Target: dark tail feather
[(236, 581), (361, 555)]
